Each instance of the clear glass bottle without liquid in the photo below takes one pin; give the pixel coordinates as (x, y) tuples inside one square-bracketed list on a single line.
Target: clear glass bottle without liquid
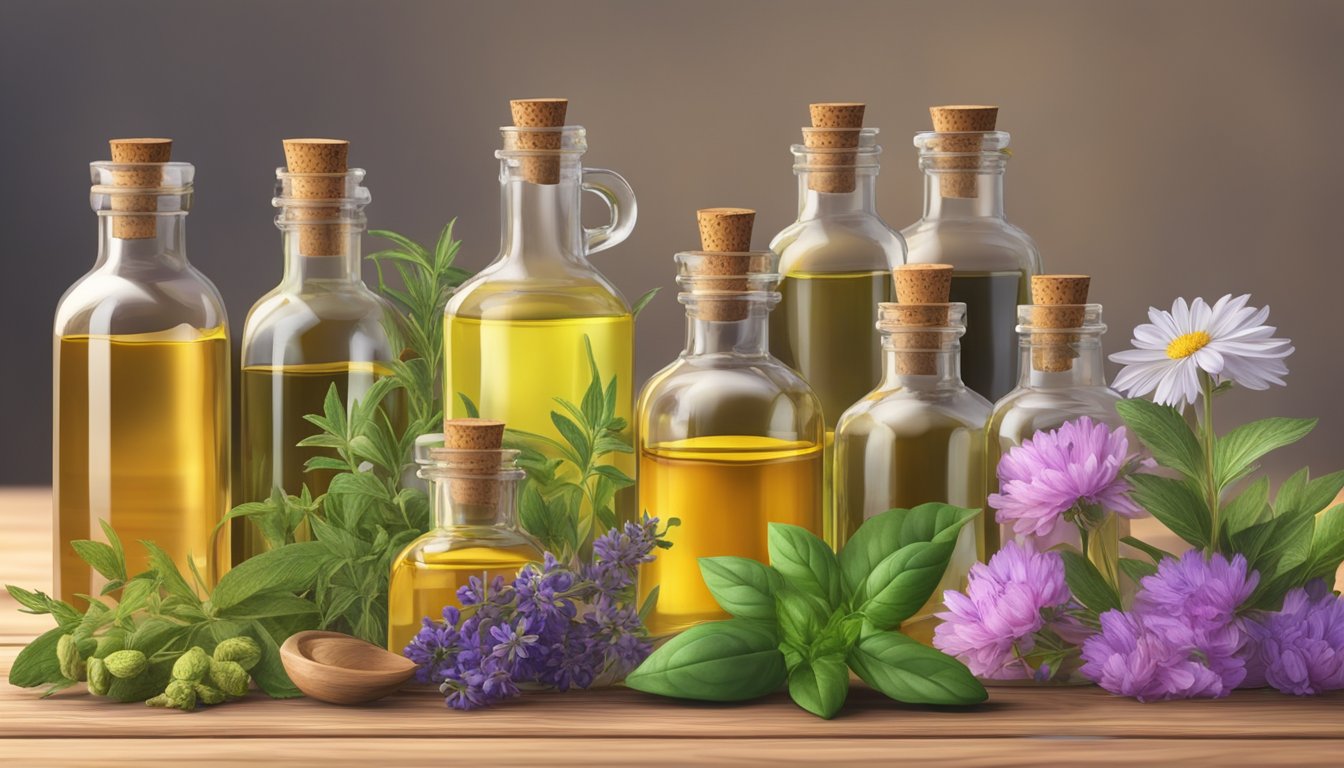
[(730, 439), (1062, 379), (141, 386), (473, 494), (919, 437), (964, 225), (321, 326), (517, 333), (836, 262)]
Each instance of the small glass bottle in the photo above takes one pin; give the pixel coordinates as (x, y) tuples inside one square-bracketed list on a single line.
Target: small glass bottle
[(917, 438), (963, 160), (321, 326), (730, 439), (141, 380), (473, 492), (517, 333), (836, 262), (1063, 378)]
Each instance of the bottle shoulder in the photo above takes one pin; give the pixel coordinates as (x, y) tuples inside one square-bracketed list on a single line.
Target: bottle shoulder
[(136, 301), (849, 243), (324, 324), (502, 294), (1025, 410), (979, 244), (904, 409)]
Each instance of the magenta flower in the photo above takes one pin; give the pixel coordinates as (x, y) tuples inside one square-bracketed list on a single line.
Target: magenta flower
[(1300, 649), (1078, 471), (1006, 603), (1128, 659)]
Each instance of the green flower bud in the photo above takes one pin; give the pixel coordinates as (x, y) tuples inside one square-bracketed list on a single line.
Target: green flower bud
[(192, 665), (230, 677), (126, 664), (99, 678), (181, 694), (109, 644), (243, 650), (67, 656), (208, 694)]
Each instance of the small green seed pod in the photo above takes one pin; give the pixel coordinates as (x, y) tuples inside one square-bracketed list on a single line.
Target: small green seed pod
[(230, 676), (126, 664), (67, 656), (243, 650), (181, 694), (99, 677), (208, 694), (192, 665)]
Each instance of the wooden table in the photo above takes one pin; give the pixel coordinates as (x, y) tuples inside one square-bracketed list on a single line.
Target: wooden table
[(1026, 727)]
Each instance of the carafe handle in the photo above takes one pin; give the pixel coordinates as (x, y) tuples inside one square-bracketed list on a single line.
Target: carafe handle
[(615, 191)]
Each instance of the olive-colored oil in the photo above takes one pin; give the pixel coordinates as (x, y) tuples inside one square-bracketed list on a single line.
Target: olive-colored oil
[(142, 441), (989, 348), (420, 588), (724, 490)]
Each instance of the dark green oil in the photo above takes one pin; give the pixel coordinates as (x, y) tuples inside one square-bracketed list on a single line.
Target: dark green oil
[(989, 350)]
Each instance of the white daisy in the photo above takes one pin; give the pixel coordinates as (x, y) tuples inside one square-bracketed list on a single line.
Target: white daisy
[(1228, 341)]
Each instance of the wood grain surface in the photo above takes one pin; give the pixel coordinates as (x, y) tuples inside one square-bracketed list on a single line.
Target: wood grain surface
[(1017, 727)]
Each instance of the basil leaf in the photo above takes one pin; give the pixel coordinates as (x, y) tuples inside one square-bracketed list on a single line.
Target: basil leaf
[(1166, 434), (805, 562), (742, 587), (801, 616), (1087, 584), (902, 582), (820, 686), (1235, 454), (911, 673), (883, 535), (732, 660), (36, 664)]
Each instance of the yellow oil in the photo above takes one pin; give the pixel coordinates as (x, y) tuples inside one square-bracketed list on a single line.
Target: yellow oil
[(142, 441), (423, 582), (275, 400), (725, 490)]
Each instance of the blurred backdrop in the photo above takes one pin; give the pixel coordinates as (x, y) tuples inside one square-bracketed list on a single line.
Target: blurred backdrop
[(1166, 149)]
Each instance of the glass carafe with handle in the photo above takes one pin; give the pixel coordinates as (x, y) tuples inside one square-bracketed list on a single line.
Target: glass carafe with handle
[(520, 333)]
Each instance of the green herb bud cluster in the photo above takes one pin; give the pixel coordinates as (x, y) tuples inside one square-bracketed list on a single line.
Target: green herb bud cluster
[(201, 678)]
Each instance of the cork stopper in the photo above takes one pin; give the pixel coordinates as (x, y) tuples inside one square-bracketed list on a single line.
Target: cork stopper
[(539, 113), (1058, 301), (486, 436), (725, 238), (138, 151), (922, 293), (962, 118), (845, 118), (318, 156)]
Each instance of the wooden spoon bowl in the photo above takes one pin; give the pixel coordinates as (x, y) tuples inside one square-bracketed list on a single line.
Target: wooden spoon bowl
[(339, 669)]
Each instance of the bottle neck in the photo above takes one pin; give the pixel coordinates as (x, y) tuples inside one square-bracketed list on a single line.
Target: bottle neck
[(986, 204), (488, 501), (343, 267), (167, 248), (813, 204), (922, 371), (541, 222), (744, 337), (1059, 361)]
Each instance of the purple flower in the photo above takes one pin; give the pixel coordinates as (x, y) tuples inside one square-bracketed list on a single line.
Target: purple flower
[(1006, 603), (1300, 649), (434, 649), (1079, 468), (1128, 659), (512, 642)]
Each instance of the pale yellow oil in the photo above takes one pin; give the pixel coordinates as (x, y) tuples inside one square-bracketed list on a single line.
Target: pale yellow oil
[(423, 582), (142, 441), (725, 490)]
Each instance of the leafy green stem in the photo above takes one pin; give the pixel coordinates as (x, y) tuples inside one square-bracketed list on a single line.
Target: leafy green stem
[(1210, 479)]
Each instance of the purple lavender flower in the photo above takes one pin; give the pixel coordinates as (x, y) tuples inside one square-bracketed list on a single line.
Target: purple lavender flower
[(513, 643), (1006, 603), (1080, 466), (1128, 659), (434, 649), (1300, 649)]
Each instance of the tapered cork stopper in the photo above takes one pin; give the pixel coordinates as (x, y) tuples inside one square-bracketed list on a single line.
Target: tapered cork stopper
[(460, 438), (922, 292), (138, 151), (969, 119), (835, 125), (319, 157), (1059, 301), (539, 113), (725, 238)]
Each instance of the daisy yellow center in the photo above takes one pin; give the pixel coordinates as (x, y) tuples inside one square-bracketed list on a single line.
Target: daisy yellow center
[(1188, 344)]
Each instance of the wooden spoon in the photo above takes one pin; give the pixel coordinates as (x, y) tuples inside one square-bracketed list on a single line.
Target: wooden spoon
[(339, 669)]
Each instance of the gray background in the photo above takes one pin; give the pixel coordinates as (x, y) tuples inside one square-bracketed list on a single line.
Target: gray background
[(1166, 149)]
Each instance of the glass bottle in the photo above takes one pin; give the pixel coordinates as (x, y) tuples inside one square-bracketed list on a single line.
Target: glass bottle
[(964, 225), (836, 261), (473, 493), (918, 437), (730, 439), (141, 380), (321, 326), (517, 333), (1062, 379)]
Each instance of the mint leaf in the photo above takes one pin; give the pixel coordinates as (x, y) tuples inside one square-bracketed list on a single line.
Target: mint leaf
[(820, 686), (732, 660), (1175, 504), (741, 586), (1251, 506), (291, 568), (36, 664), (1235, 454), (168, 574), (805, 562), (1166, 434), (911, 673)]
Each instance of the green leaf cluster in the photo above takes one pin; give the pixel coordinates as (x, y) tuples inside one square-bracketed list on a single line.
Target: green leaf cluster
[(809, 618)]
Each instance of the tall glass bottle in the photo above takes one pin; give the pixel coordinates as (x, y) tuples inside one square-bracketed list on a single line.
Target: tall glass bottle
[(918, 438), (517, 333), (473, 492), (730, 439), (1062, 379), (141, 380), (321, 326), (963, 160), (836, 262)]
